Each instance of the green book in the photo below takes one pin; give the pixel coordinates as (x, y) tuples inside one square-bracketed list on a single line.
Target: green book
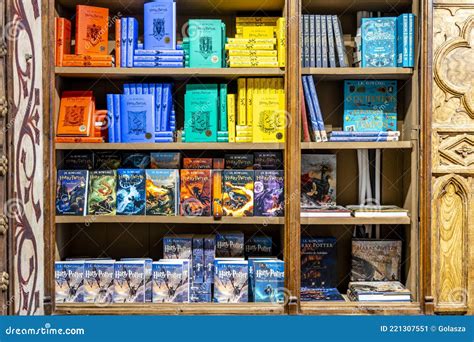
[(201, 113), (205, 46), (223, 36), (223, 107)]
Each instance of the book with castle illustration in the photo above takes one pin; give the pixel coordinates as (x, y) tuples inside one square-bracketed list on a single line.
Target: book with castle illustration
[(318, 180)]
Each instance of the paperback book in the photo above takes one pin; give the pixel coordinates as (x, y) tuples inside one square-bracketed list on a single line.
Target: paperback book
[(195, 193), (318, 262), (171, 281), (129, 282), (258, 246), (231, 281), (99, 281), (269, 193), (102, 193), (238, 196), (162, 192), (69, 281), (165, 160), (71, 192), (178, 247), (130, 192), (318, 180), (269, 279), (230, 245)]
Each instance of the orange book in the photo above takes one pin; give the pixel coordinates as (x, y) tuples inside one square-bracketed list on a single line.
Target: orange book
[(92, 30), (118, 43), (63, 39), (75, 113), (85, 58), (79, 140), (100, 124), (217, 211), (87, 63)]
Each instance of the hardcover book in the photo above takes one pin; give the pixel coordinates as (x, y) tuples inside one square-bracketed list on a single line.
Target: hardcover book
[(135, 160), (205, 49), (201, 112), (230, 245), (195, 193), (92, 30), (162, 192), (105, 160), (269, 160), (102, 195), (129, 281), (171, 281), (258, 246), (318, 180), (387, 291), (318, 262), (239, 161), (75, 113), (238, 195), (376, 260), (159, 19), (209, 257), (269, 281), (71, 192), (165, 160), (99, 281), (130, 192), (231, 281), (178, 247), (63, 39), (137, 118), (198, 260), (269, 193), (69, 281), (379, 42), (309, 294), (197, 163), (269, 118), (78, 160)]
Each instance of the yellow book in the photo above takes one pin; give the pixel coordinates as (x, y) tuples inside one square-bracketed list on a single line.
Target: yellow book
[(242, 105), (269, 118), (250, 46), (239, 20), (243, 139), (249, 96), (251, 41), (274, 85), (242, 128), (281, 41), (281, 85), (244, 134), (258, 32), (252, 53), (253, 64), (231, 116), (251, 59)]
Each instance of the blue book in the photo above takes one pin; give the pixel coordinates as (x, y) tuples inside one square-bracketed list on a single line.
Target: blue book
[(117, 118), (178, 247), (251, 261), (139, 88), (171, 281), (69, 281), (324, 42), (167, 134), (132, 40), (164, 140), (331, 46), (209, 257), (139, 46), (126, 89), (258, 246), (230, 244), (309, 105), (365, 134), (135, 160), (172, 120), (269, 281), (402, 40), (370, 139), (165, 105), (318, 41), (133, 89), (123, 43), (130, 192), (157, 64), (71, 193), (137, 118), (99, 281), (148, 276), (379, 42), (110, 118), (158, 96), (198, 260), (318, 262), (151, 53), (129, 281), (145, 89), (411, 40), (152, 91), (317, 108), (159, 23), (178, 59), (231, 281)]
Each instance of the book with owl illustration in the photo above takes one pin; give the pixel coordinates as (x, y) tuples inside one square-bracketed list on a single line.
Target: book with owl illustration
[(69, 281), (201, 113), (129, 281), (379, 42), (92, 30), (231, 281), (130, 192), (99, 281), (318, 180), (206, 45), (318, 262), (195, 192), (71, 192), (137, 118), (102, 193), (159, 25), (75, 113), (269, 193), (238, 195), (269, 118), (171, 281), (162, 192)]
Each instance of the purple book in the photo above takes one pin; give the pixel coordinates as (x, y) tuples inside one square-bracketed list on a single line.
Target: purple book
[(269, 193), (137, 118)]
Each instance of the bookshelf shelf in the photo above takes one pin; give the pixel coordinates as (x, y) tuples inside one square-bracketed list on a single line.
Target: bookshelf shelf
[(354, 220), (174, 73), (170, 219), (360, 308), (359, 73), (169, 146), (356, 145)]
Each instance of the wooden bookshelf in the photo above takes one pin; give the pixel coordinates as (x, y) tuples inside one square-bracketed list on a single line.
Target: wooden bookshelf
[(261, 221), (359, 73), (170, 146), (356, 145), (359, 308), (354, 220)]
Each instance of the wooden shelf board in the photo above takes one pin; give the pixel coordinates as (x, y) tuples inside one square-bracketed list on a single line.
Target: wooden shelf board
[(174, 73), (360, 308), (169, 146), (356, 145), (170, 219), (171, 309), (359, 73), (353, 220), (351, 6)]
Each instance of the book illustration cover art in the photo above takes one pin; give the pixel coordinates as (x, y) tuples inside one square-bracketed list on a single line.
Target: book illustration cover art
[(99, 281), (205, 49), (158, 25), (318, 262), (75, 113), (231, 282), (377, 287), (379, 42), (309, 294), (171, 281), (92, 29), (239, 161), (197, 163), (69, 281), (135, 160), (256, 246), (269, 193), (129, 282), (269, 118), (270, 160), (269, 281), (102, 193), (162, 192), (318, 180), (201, 109), (178, 247), (195, 193), (130, 192), (376, 260), (238, 196), (78, 160), (230, 244), (165, 160), (105, 160), (137, 118), (148, 276), (71, 192)]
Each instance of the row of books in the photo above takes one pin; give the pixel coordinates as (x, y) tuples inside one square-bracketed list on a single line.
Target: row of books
[(367, 211), (322, 42), (186, 192), (370, 112)]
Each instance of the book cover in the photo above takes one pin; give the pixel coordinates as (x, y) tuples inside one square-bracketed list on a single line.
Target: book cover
[(165, 160), (318, 262), (130, 192), (71, 192), (229, 244), (198, 259), (99, 281), (178, 247), (162, 192), (317, 108), (231, 116), (171, 281), (231, 282), (148, 276), (132, 40), (197, 163), (205, 49), (331, 44), (318, 179), (269, 279), (238, 195), (63, 39), (135, 160), (258, 246), (123, 44), (105, 160), (69, 281), (92, 30), (102, 195), (137, 118), (269, 118), (309, 294), (159, 19), (78, 160), (201, 113), (379, 42), (376, 260), (195, 192), (268, 160), (370, 105), (75, 113), (269, 193), (239, 161), (129, 281), (209, 257), (117, 118)]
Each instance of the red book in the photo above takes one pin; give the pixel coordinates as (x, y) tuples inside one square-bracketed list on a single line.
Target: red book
[(304, 116), (75, 113), (79, 140), (63, 39)]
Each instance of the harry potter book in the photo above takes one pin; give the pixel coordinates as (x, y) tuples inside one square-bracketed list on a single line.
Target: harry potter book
[(106, 160), (197, 163), (165, 160), (160, 24), (162, 192), (78, 160), (69, 281), (171, 281), (230, 245), (258, 246), (148, 276), (71, 192), (129, 282), (318, 180), (269, 279), (99, 281), (206, 47), (102, 193), (75, 113), (63, 39), (130, 192), (238, 196), (201, 113), (269, 193), (239, 161), (269, 118), (92, 30), (178, 247), (195, 193), (137, 115), (231, 281), (135, 160), (269, 160), (318, 262)]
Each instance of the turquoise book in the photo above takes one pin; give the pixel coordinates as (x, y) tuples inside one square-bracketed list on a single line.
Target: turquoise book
[(269, 281), (206, 43), (379, 42), (223, 107), (201, 113), (370, 106)]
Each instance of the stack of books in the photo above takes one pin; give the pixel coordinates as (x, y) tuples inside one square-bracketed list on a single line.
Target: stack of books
[(351, 136), (322, 42), (380, 211), (378, 291), (312, 117), (259, 42)]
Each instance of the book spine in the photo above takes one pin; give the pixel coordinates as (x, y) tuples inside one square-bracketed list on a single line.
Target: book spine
[(302, 48), (165, 106), (123, 40), (87, 58), (118, 43), (312, 45), (324, 43), (317, 108), (331, 49), (317, 35), (249, 97), (79, 139), (110, 118), (177, 59), (157, 64), (217, 193), (365, 134), (253, 64), (312, 114), (56, 42), (158, 106), (63, 45), (252, 53), (139, 88), (126, 89), (87, 63), (175, 53), (117, 118), (223, 107), (304, 117), (368, 139), (132, 37), (306, 44), (250, 46), (251, 41), (254, 20), (231, 116), (251, 59), (337, 29), (411, 41), (242, 101)]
